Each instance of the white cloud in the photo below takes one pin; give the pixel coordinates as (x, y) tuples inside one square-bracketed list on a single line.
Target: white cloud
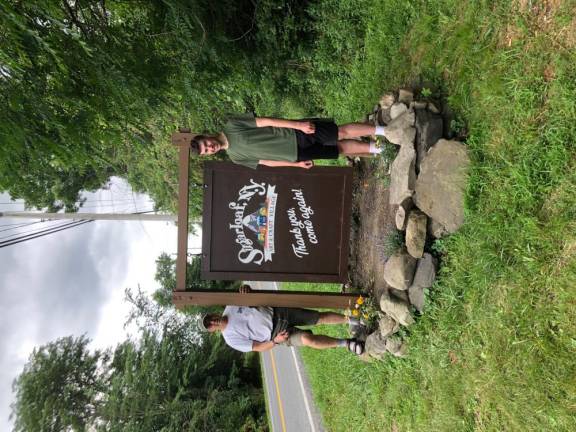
[(73, 282)]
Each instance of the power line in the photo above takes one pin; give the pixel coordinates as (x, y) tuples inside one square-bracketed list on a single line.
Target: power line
[(34, 230), (96, 216), (18, 225), (81, 202), (54, 229), (43, 233)]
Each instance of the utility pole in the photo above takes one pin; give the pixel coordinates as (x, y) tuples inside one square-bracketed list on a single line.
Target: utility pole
[(92, 216)]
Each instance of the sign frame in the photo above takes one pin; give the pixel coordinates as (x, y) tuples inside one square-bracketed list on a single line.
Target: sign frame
[(182, 297), (341, 220)]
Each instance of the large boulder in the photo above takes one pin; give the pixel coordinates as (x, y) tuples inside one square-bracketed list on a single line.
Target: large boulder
[(384, 113), (417, 105), (396, 347), (436, 229), (400, 130), (383, 117), (375, 345), (441, 183), (388, 326), (396, 309), (402, 213), (425, 271), (423, 278), (433, 108), (402, 175), (405, 96), (416, 233), (387, 100), (397, 109), (399, 270), (401, 295), (429, 128)]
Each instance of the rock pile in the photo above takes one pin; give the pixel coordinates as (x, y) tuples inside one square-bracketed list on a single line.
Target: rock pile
[(427, 181)]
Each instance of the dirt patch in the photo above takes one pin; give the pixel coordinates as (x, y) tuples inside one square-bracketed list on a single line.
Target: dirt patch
[(568, 33), (541, 18), (372, 226)]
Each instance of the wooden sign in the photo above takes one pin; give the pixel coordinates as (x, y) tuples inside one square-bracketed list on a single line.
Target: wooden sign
[(276, 224)]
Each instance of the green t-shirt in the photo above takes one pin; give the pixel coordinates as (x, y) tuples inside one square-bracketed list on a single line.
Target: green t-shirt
[(248, 144)]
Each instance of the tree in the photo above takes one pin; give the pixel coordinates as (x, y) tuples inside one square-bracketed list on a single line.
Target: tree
[(169, 377), (60, 387), (66, 88), (174, 378), (93, 88), (166, 277)]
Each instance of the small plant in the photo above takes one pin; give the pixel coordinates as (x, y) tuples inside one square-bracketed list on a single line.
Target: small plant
[(389, 151), (426, 92), (458, 127), (393, 242), (365, 310), (384, 160)]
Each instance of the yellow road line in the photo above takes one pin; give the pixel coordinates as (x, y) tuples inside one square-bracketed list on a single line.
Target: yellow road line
[(282, 421)]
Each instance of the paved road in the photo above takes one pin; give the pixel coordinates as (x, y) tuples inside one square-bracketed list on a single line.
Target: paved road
[(290, 401)]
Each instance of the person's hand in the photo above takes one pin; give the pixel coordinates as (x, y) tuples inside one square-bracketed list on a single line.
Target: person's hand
[(245, 289), (307, 127), (305, 164), (281, 337)]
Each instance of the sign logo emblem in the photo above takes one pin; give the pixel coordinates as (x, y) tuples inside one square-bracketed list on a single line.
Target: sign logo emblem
[(258, 246)]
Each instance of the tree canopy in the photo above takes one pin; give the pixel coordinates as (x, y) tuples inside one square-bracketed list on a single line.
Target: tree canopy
[(170, 378), (91, 89), (60, 387)]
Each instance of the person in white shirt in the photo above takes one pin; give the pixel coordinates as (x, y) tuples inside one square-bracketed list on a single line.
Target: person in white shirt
[(247, 328)]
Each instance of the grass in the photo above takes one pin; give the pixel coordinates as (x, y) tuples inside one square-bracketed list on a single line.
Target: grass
[(495, 349)]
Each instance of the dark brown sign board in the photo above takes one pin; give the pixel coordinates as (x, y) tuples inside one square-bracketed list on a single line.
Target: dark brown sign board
[(276, 224), (182, 297)]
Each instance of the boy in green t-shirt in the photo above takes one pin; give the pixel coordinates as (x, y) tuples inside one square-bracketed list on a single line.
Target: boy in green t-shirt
[(253, 141)]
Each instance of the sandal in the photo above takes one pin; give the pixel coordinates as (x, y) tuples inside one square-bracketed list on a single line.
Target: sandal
[(355, 346)]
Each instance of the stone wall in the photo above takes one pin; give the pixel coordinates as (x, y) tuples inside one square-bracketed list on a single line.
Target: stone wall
[(427, 183)]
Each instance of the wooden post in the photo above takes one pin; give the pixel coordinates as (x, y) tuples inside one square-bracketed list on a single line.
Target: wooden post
[(264, 298), (182, 140)]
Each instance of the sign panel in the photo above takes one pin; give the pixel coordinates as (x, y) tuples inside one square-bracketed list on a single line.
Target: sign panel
[(276, 224)]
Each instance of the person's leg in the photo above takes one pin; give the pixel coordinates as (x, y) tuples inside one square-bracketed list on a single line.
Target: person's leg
[(351, 147), (321, 341), (332, 318), (299, 337), (325, 342), (357, 130), (308, 317)]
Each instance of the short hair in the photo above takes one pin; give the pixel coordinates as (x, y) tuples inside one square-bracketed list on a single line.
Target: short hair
[(204, 322), (195, 144)]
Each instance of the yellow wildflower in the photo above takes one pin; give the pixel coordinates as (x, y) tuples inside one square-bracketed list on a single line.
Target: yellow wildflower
[(355, 312), (360, 300)]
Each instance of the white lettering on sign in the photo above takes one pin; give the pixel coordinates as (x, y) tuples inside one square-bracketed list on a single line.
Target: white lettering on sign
[(301, 224), (251, 252)]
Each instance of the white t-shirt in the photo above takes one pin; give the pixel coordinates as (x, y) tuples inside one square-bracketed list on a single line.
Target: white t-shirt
[(247, 324)]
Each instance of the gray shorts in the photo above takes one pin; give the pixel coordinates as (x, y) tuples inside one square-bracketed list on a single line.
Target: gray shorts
[(288, 319)]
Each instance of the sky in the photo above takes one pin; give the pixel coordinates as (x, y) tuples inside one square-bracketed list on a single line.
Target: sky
[(73, 282)]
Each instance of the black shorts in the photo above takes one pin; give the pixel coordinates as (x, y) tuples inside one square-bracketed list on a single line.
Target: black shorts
[(286, 318), (322, 144)]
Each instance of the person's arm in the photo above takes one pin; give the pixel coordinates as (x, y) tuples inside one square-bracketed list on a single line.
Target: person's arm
[(302, 164), (262, 346), (268, 345), (256, 346), (244, 288), (304, 126)]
